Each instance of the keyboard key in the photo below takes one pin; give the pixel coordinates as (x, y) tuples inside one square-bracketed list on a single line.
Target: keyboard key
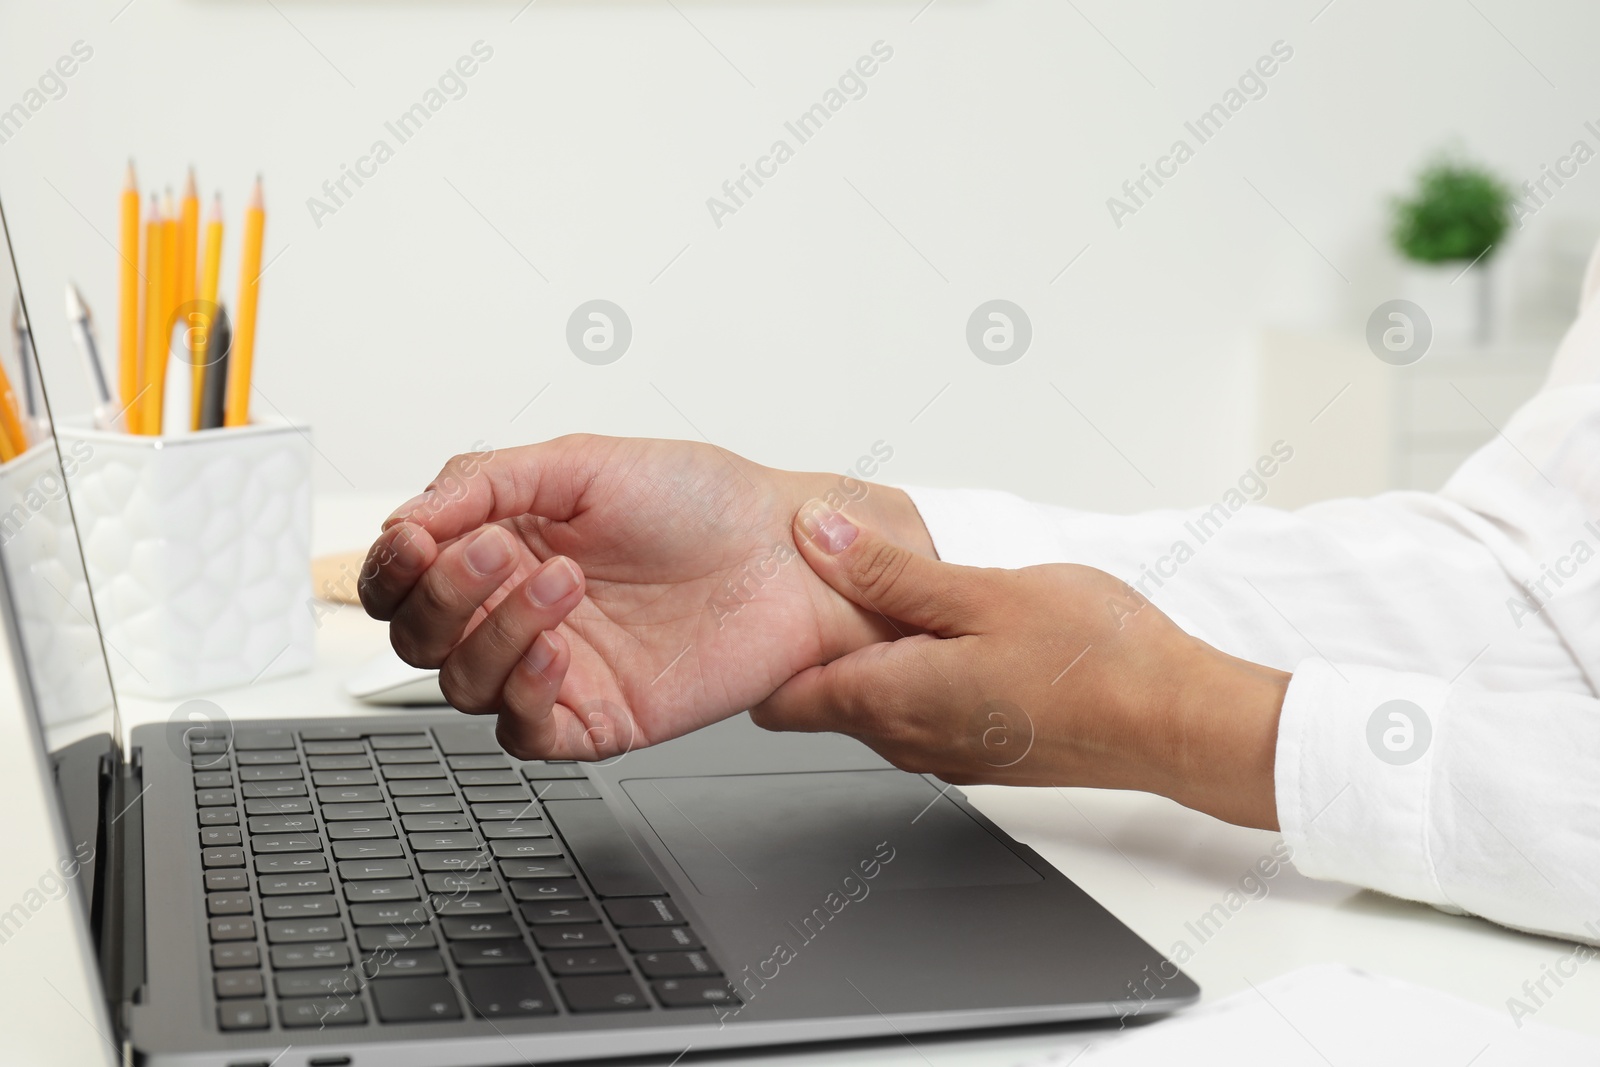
[(323, 1011), (529, 868), (334, 778), (586, 961), (359, 831), (407, 771), (608, 857), (242, 1015), (676, 964), (373, 938), (552, 889), (498, 794), (406, 755), (542, 868), (477, 763), (454, 882), (286, 843), (539, 772), (506, 777), (490, 953), (233, 929), (503, 831), (444, 842), (366, 870), (643, 911), (229, 881), (578, 789), (310, 954), (214, 798), (364, 892), (483, 926), (237, 955), (259, 790), (290, 863), (354, 812), (282, 885), (509, 991), (339, 763), (229, 904), (693, 992), (507, 812), (472, 904), (331, 733), (320, 907), (272, 774), (575, 936), (342, 981), (262, 738), (410, 805), (467, 739), (239, 984), (603, 993), (380, 742), (430, 787), (220, 835), (218, 816), (518, 848), (453, 861), (294, 931), (398, 964), (366, 850), (262, 759), (410, 1000), (350, 794), (400, 914), (222, 857), (213, 780), (282, 824), (435, 822), (278, 806), (335, 748), (660, 938), (577, 911)]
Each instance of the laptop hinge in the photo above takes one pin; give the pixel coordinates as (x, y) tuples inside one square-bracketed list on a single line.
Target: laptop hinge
[(121, 926)]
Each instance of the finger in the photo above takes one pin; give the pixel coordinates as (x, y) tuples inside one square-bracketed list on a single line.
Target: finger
[(474, 488), (532, 726), (855, 694), (881, 576), (395, 561), (436, 613), (476, 670)]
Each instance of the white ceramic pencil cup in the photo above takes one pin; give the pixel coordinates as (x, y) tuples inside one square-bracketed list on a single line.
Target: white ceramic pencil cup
[(199, 553)]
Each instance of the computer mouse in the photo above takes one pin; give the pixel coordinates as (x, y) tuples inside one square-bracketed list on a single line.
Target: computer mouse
[(390, 681)]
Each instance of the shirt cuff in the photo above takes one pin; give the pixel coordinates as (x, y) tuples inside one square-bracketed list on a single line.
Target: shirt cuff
[(1354, 769)]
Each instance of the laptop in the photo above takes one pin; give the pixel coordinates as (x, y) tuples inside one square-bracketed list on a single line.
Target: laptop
[(396, 890)]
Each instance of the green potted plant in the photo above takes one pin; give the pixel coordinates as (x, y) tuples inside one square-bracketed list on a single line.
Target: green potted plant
[(1449, 232)]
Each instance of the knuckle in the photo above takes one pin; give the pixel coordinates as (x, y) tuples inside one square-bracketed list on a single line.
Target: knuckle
[(409, 647), (878, 567), (460, 688), (511, 739)]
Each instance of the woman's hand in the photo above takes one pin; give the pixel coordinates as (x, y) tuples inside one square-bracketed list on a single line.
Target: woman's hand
[(601, 594), (1053, 675)]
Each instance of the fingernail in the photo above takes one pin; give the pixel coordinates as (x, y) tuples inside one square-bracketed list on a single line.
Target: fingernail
[(416, 503), (833, 532), (542, 654), (488, 552), (556, 580)]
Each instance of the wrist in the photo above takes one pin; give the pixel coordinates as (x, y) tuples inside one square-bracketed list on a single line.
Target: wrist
[(1224, 739)]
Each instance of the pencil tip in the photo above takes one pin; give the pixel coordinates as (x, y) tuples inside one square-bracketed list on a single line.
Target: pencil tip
[(189, 189), (132, 179)]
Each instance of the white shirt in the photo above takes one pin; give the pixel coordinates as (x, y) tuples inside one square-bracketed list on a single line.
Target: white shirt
[(1478, 605)]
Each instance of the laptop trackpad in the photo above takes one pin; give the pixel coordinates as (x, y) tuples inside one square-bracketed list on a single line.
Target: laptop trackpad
[(806, 831)]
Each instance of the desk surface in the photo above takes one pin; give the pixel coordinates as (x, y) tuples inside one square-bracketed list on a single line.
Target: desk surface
[(1171, 874)]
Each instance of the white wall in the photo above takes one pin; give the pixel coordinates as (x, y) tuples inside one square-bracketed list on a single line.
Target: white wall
[(806, 327)]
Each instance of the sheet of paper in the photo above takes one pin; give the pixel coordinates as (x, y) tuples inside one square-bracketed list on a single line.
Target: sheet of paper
[(1331, 1015)]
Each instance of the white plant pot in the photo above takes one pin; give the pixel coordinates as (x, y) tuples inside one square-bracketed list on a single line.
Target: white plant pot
[(1457, 299), (199, 549)]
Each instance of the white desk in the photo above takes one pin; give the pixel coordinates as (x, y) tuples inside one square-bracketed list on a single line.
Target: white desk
[(1158, 867)]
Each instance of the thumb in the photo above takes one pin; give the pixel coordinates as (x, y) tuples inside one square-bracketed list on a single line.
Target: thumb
[(879, 575)]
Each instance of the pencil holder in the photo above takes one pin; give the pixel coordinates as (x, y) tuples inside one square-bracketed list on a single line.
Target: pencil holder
[(199, 553)]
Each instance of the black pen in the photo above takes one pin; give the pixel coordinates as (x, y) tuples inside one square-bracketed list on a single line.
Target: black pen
[(219, 340)]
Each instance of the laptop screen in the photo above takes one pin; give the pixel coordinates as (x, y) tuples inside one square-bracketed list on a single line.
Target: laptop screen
[(62, 671)]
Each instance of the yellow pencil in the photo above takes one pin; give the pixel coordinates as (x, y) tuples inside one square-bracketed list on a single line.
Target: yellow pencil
[(128, 324), (13, 438), (237, 409), (210, 273), (154, 346), (188, 235)]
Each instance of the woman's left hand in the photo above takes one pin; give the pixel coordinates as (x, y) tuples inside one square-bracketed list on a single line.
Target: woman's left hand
[(1052, 675)]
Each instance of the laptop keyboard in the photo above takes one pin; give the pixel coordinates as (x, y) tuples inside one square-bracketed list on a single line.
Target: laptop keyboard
[(355, 876)]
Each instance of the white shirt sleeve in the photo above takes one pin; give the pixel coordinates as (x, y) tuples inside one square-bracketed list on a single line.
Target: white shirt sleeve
[(1478, 607)]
